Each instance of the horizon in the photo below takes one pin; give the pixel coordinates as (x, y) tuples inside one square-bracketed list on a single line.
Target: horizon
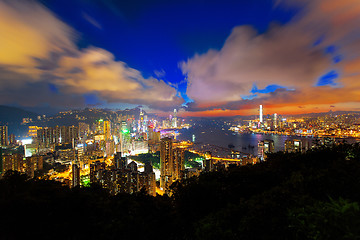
[(206, 59), (167, 114)]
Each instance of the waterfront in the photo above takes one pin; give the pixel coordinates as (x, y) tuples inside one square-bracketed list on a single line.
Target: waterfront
[(218, 133)]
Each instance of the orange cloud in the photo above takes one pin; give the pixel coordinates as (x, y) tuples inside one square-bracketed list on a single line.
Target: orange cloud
[(39, 49), (286, 56)]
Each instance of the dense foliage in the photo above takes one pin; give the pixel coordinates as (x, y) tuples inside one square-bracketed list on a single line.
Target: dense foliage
[(314, 195), (154, 159)]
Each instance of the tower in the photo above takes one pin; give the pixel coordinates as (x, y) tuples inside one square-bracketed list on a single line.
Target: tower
[(174, 120), (166, 163), (261, 114)]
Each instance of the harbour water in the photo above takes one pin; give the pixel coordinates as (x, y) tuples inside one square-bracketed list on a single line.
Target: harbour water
[(217, 133)]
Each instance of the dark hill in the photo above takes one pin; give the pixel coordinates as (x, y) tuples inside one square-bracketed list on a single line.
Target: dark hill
[(13, 116)]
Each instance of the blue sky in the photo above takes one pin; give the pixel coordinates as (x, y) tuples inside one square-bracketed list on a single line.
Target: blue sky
[(154, 36), (202, 57)]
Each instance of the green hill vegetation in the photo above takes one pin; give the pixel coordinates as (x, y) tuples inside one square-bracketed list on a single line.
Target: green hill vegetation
[(314, 195)]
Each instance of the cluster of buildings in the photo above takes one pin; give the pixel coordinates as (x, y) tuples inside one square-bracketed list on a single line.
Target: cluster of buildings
[(121, 177), (328, 125), (97, 152)]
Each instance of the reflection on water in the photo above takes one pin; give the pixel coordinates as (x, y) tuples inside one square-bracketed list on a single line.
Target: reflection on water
[(212, 133)]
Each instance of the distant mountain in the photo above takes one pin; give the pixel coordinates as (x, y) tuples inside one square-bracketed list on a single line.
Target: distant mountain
[(326, 113), (13, 116)]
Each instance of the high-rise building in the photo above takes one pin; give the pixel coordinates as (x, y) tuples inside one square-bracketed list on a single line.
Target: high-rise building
[(264, 147), (208, 162), (12, 139), (95, 168), (1, 160), (174, 120), (107, 130), (75, 175), (179, 163), (32, 132), (166, 163), (33, 163), (261, 114), (12, 162), (4, 139), (119, 161), (148, 180), (293, 145)]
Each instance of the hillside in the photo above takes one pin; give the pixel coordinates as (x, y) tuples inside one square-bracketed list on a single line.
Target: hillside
[(314, 195), (13, 116)]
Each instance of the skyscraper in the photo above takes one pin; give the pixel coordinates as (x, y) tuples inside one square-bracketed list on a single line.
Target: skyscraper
[(174, 120), (75, 175), (166, 163), (179, 163), (4, 140), (261, 114)]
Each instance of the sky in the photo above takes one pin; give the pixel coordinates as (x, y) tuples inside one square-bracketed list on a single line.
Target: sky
[(204, 58)]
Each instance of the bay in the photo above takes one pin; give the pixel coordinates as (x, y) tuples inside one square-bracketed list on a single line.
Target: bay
[(218, 133)]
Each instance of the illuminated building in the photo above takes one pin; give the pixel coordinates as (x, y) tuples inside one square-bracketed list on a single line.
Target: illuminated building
[(12, 139), (32, 132), (293, 145), (84, 129), (208, 162), (275, 120), (264, 147), (12, 162), (64, 134), (174, 120), (28, 167), (4, 141), (261, 114), (179, 163), (95, 168), (132, 166), (75, 175), (107, 130), (119, 161), (45, 136), (171, 163), (147, 180), (191, 172), (166, 163), (1, 160)]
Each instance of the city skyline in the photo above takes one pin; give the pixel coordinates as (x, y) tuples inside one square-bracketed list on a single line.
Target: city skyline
[(211, 58)]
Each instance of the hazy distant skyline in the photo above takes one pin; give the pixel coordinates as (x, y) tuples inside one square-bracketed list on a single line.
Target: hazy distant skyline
[(205, 58)]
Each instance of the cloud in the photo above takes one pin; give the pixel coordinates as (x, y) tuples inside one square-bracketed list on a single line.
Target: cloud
[(91, 20), (160, 73), (303, 57), (41, 51)]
